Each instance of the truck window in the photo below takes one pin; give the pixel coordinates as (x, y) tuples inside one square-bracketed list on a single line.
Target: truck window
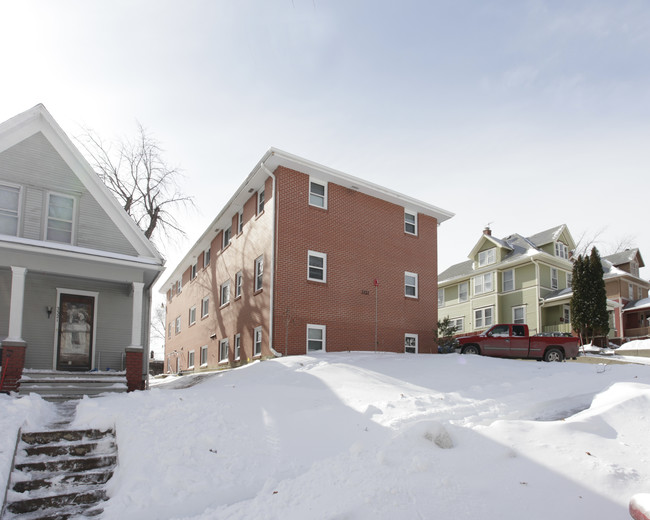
[(518, 330), (500, 331)]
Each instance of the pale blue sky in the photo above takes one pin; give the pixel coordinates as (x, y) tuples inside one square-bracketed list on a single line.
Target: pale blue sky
[(522, 114)]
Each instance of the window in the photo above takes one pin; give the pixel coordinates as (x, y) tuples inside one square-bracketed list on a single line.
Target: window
[(240, 222), (206, 257), (316, 266), (459, 323), (260, 201), (561, 250), (259, 273), (410, 223), (463, 292), (178, 325), (179, 287), (630, 289), (315, 338), (223, 350), (9, 206), (60, 215), (205, 306), (204, 356), (257, 341), (569, 279), (237, 346), (519, 314), (225, 293), (441, 297), (411, 285), (169, 330), (566, 313), (190, 359), (226, 238), (509, 280), (634, 268), (487, 257), (483, 283), (483, 317), (318, 194), (192, 315), (411, 343), (238, 284), (192, 272), (553, 278)]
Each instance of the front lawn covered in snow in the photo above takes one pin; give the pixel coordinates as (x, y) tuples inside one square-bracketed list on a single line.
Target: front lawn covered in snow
[(377, 436)]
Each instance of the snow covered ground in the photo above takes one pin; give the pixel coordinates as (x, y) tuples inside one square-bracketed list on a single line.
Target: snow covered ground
[(374, 436)]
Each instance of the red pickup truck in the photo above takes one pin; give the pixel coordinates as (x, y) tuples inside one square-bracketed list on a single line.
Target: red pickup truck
[(513, 341)]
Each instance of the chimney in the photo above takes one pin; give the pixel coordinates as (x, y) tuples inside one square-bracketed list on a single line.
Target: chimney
[(487, 231)]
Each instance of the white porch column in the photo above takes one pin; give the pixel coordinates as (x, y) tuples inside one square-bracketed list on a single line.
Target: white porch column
[(16, 304), (136, 327)]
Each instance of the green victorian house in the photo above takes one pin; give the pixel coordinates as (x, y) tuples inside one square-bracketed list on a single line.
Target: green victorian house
[(511, 280)]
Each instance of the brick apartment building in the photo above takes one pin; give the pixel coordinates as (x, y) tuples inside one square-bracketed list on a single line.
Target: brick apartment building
[(305, 258)]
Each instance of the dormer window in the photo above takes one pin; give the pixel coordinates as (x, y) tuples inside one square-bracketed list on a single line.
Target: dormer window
[(634, 268), (487, 257), (561, 250)]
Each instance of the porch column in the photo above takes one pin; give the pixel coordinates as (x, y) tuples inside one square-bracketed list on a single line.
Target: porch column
[(16, 304), (136, 326)]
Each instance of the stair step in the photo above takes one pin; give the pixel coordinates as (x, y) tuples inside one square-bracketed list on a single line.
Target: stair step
[(73, 450), (65, 435), (84, 478), (74, 465), (57, 501)]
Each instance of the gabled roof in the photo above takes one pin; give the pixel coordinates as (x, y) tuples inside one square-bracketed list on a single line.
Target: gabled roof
[(489, 238), (625, 257), (38, 119), (552, 235)]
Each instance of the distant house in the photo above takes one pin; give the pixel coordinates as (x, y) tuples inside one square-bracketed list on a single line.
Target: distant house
[(630, 291), (75, 270), (304, 258)]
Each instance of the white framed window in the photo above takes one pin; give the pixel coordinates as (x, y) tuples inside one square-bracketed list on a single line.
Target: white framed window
[(519, 314), (237, 346), (410, 285), (459, 323), (205, 306), (225, 293), (566, 313), (463, 292), (411, 343), (178, 325), (257, 341), (190, 359), (441, 297), (634, 268), (316, 266), (561, 250), (240, 222), (554, 278), (206, 257), (630, 290), (260, 201), (192, 272), (179, 286), (509, 280), (60, 218), (483, 317), (9, 209), (318, 194), (410, 223), (239, 277), (226, 238), (192, 317), (259, 273), (204, 356), (483, 283), (487, 257), (316, 338), (223, 350), (569, 279)]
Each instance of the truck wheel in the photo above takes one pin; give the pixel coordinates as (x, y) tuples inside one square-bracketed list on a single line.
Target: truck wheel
[(471, 349), (553, 354)]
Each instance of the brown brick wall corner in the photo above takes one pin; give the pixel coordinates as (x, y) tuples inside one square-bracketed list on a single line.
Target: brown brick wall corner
[(134, 380), (13, 362)]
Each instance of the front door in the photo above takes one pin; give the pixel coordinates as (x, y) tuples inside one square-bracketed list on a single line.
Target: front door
[(75, 337)]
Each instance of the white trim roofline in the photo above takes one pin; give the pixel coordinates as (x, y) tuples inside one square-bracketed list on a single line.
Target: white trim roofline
[(271, 160), (38, 119)]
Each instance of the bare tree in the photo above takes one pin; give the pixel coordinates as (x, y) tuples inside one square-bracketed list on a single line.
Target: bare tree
[(146, 186)]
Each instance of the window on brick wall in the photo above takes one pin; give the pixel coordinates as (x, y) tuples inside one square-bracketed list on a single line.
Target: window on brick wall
[(223, 350), (205, 306), (225, 293), (239, 277), (237, 346), (411, 343), (204, 356), (226, 238), (240, 222), (259, 273), (206, 257), (260, 201), (193, 272), (316, 338), (192, 319), (410, 223), (411, 285), (190, 359), (257, 341), (178, 325), (318, 194), (316, 266)]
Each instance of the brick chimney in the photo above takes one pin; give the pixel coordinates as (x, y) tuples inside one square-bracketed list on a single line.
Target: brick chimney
[(487, 231)]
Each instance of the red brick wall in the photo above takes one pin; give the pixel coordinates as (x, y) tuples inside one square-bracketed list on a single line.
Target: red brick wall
[(364, 240), (13, 362)]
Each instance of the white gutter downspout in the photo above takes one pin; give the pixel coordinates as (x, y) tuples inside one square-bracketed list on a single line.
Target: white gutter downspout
[(273, 257), (539, 304)]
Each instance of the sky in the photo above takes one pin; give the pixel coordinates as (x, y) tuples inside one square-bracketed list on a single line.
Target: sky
[(518, 115)]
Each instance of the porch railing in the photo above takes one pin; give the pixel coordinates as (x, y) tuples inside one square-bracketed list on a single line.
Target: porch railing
[(562, 327), (634, 333)]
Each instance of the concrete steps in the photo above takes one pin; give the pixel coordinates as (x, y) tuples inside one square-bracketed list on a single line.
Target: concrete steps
[(60, 474), (54, 385)]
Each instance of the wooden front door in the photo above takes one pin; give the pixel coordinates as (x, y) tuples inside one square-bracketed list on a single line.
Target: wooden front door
[(75, 337)]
